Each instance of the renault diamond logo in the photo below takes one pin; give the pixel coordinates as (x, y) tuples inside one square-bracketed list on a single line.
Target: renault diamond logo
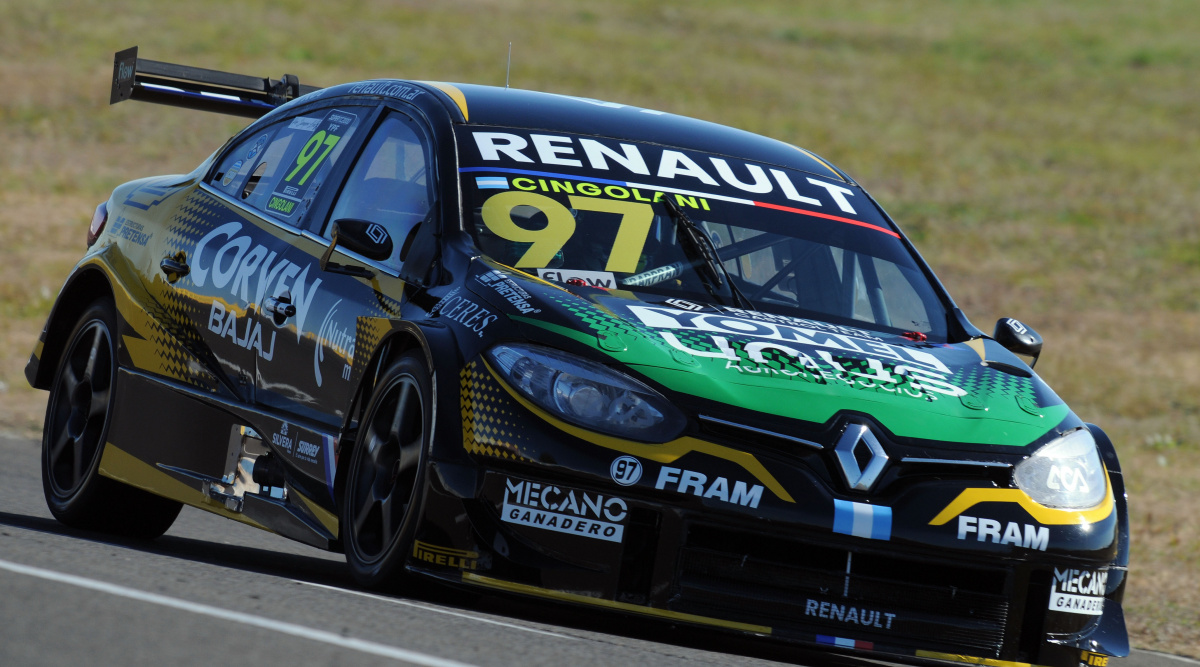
[(857, 444)]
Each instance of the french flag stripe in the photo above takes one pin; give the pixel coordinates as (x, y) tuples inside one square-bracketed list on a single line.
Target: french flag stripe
[(845, 643)]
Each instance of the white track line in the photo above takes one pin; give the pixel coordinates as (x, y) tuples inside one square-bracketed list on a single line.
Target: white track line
[(1168, 656), (436, 610), (292, 629)]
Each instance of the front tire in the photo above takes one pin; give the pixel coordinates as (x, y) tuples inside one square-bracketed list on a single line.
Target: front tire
[(78, 415), (379, 508)]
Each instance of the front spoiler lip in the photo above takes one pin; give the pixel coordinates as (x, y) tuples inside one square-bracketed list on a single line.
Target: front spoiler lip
[(823, 642)]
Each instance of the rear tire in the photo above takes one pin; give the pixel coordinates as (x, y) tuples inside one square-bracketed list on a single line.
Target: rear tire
[(78, 415), (379, 509)]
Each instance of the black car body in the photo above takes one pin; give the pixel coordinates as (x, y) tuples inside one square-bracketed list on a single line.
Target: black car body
[(581, 351)]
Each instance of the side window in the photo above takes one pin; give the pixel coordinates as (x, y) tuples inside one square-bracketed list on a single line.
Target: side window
[(240, 161), (390, 183), (279, 170)]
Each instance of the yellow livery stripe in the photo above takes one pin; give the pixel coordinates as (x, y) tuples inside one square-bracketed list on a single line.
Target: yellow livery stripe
[(970, 659), (125, 467), (328, 519), (526, 589), (1045, 515), (454, 93)]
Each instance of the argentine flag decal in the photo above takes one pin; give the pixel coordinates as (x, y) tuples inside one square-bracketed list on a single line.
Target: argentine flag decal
[(491, 182), (861, 520)]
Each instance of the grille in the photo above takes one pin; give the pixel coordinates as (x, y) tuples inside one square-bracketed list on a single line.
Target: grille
[(801, 588)]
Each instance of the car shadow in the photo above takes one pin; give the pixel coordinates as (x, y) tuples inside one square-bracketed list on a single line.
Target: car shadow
[(332, 573), (250, 559)]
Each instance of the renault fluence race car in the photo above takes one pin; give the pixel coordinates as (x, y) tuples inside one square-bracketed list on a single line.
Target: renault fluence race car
[(578, 351)]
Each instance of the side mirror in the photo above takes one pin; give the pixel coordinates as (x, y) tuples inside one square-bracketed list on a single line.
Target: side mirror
[(1018, 338), (369, 239)]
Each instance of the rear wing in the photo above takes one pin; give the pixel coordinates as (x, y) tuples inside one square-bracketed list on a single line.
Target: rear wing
[(198, 88)]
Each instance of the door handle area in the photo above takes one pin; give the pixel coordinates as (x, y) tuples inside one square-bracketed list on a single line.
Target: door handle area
[(280, 307), (175, 267)]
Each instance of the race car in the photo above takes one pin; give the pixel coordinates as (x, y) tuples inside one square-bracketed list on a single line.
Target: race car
[(579, 351)]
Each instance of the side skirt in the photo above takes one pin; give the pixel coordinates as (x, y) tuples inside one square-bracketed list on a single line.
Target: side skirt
[(201, 450)]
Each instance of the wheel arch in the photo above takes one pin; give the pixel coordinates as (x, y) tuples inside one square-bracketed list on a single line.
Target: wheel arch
[(86, 286), (435, 342)]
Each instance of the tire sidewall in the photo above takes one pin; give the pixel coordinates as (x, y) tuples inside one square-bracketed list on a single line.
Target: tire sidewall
[(72, 507), (391, 564)]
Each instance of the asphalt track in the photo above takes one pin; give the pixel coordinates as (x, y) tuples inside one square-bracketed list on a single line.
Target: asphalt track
[(212, 591)]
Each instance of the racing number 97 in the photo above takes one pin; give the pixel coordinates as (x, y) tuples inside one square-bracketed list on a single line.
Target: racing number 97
[(310, 149), (560, 227)]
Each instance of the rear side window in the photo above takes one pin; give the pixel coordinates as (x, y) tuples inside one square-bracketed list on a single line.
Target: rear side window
[(279, 170)]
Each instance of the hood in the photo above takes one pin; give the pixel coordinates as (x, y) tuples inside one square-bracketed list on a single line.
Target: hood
[(975, 392)]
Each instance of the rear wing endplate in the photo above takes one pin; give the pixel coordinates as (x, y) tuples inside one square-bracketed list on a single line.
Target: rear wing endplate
[(198, 88)]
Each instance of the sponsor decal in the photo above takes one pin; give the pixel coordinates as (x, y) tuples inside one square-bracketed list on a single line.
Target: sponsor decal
[(760, 316), (603, 279), (124, 71), (223, 322), (1078, 591), (626, 470), (304, 124), (445, 556), (1017, 534), (282, 440), (1093, 659), (845, 613), (666, 164), (509, 290), (233, 171), (231, 261), (387, 89), (1071, 478), (873, 522), (464, 311), (338, 339), (549, 507), (491, 182), (684, 305), (914, 372), (131, 231), (256, 148), (308, 451), (687, 481)]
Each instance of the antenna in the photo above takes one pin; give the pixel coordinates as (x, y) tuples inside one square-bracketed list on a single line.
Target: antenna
[(508, 69)]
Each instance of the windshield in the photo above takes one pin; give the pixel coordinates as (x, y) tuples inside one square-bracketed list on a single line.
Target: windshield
[(590, 211)]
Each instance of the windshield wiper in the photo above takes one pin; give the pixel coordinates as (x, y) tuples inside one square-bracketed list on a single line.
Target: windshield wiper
[(703, 254)]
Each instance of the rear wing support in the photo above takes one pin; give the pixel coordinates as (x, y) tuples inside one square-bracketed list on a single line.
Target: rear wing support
[(197, 88)]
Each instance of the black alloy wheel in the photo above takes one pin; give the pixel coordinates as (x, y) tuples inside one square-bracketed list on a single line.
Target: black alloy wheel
[(78, 414), (387, 470)]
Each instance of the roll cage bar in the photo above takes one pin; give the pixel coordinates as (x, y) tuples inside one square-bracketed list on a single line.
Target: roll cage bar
[(199, 88)]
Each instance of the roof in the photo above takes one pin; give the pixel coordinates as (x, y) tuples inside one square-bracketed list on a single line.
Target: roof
[(527, 109)]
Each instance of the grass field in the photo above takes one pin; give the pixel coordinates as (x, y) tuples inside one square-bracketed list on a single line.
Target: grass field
[(1043, 156)]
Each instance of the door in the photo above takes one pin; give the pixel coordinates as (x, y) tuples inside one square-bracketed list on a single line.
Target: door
[(390, 185)]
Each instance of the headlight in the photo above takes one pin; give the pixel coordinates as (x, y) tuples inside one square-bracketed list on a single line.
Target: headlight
[(586, 393), (1065, 473)]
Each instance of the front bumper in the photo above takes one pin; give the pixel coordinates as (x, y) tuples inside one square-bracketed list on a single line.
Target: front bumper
[(941, 566)]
